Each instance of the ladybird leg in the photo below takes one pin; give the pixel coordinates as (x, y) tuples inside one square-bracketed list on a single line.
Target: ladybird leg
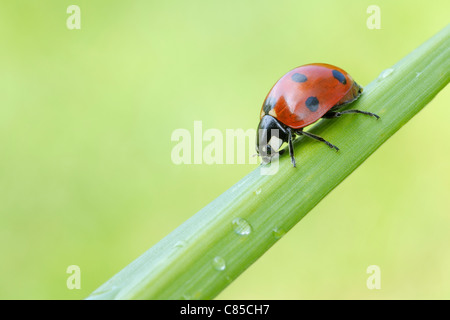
[(333, 114), (291, 147), (318, 138)]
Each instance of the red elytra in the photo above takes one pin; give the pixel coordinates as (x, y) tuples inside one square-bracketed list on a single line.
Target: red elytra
[(301, 97)]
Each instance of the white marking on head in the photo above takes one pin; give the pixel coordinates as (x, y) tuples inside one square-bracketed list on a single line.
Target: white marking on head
[(275, 143)]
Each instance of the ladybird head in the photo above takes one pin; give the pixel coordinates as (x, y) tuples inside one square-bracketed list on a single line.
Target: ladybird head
[(269, 138)]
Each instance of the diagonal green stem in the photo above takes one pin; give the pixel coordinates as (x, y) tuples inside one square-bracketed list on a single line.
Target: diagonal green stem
[(207, 252)]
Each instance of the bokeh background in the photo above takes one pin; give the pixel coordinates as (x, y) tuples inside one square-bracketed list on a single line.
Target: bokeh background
[(86, 118)]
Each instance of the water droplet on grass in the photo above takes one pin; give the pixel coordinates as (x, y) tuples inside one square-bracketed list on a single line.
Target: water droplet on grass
[(241, 226), (386, 73), (186, 297), (180, 244), (104, 294), (219, 263), (278, 233)]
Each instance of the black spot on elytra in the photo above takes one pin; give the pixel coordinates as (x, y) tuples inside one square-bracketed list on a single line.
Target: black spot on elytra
[(339, 76), (312, 103), (298, 77), (269, 104)]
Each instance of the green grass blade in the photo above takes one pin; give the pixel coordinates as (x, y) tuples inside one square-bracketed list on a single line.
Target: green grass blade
[(207, 252)]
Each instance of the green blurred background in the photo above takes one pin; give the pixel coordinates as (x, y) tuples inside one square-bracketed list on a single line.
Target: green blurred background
[(86, 118)]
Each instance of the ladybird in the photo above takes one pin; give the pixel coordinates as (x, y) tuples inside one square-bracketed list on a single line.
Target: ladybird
[(301, 97)]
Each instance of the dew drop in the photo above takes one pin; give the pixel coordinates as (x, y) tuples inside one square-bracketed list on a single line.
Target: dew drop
[(258, 191), (104, 294), (278, 233), (180, 244), (241, 226), (386, 73), (219, 263), (186, 297)]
